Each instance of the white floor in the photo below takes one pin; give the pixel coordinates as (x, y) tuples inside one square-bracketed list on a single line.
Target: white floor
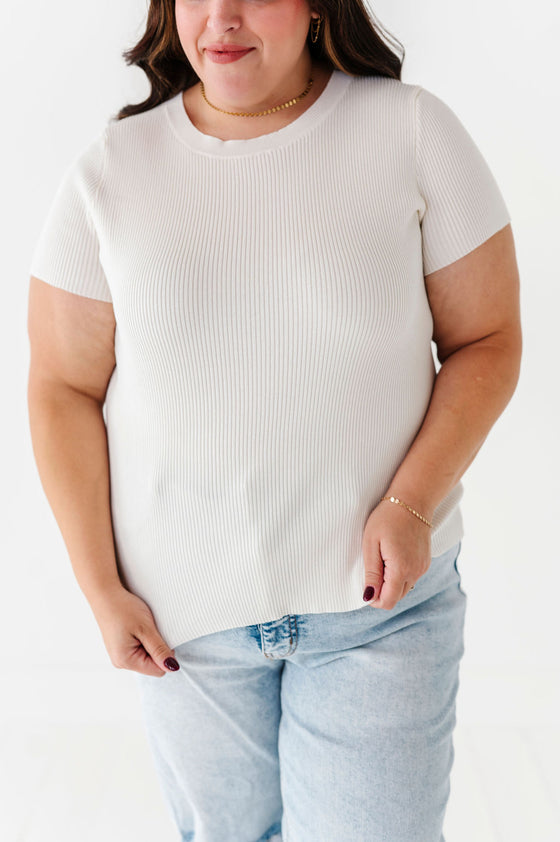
[(96, 783)]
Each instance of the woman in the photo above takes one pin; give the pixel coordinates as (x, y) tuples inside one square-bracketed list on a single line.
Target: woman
[(247, 271)]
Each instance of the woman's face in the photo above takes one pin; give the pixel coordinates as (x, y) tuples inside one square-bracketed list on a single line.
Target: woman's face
[(275, 31)]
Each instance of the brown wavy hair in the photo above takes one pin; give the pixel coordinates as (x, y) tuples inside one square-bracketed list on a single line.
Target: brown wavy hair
[(350, 39)]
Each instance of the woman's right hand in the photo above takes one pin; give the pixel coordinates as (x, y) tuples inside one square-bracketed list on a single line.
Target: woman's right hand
[(130, 634)]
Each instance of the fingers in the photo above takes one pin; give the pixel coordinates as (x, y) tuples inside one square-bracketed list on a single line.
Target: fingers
[(160, 652), (153, 655), (393, 588), (407, 587), (138, 660), (131, 635), (391, 582), (374, 574)]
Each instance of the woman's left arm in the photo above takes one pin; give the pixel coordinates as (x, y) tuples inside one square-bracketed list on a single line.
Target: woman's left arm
[(477, 332)]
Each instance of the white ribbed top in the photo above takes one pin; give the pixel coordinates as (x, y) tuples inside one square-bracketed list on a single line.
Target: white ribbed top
[(273, 338)]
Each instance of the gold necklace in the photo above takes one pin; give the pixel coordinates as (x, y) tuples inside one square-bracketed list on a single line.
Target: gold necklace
[(259, 113)]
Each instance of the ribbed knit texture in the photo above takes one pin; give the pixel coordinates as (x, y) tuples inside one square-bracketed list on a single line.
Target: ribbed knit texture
[(273, 338)]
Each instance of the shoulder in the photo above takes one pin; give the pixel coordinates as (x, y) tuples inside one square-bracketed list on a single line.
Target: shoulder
[(383, 88), (384, 108), (124, 149), (120, 138), (395, 93), (385, 98), (406, 107), (137, 130)]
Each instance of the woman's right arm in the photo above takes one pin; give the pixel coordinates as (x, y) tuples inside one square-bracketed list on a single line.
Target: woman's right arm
[(72, 358), (72, 344)]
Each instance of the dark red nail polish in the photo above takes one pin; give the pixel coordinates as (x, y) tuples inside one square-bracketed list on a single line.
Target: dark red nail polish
[(171, 664), (368, 593)]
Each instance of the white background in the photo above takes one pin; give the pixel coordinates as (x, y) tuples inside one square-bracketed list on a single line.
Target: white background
[(62, 76)]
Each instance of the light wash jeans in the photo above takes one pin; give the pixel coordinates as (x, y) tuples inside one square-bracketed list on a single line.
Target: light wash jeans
[(329, 727)]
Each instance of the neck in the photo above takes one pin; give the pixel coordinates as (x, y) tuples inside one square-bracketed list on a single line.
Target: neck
[(265, 112), (225, 127), (282, 94)]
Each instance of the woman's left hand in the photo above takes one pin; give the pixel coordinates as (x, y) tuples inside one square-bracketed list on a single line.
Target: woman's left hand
[(397, 552)]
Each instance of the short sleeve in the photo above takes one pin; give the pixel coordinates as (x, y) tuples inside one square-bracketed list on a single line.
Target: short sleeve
[(463, 205), (66, 253)]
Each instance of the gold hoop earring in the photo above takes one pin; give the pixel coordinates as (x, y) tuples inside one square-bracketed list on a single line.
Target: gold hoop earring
[(315, 32)]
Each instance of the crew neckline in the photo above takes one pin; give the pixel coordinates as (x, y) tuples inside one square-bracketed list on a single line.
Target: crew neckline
[(197, 140)]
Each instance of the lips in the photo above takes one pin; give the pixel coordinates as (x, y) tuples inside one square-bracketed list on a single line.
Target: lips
[(227, 48), (227, 53)]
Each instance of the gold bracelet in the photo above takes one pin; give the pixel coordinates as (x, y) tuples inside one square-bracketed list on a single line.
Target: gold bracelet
[(414, 512)]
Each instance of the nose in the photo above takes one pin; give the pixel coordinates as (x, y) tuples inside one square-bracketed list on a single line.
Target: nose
[(223, 15)]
